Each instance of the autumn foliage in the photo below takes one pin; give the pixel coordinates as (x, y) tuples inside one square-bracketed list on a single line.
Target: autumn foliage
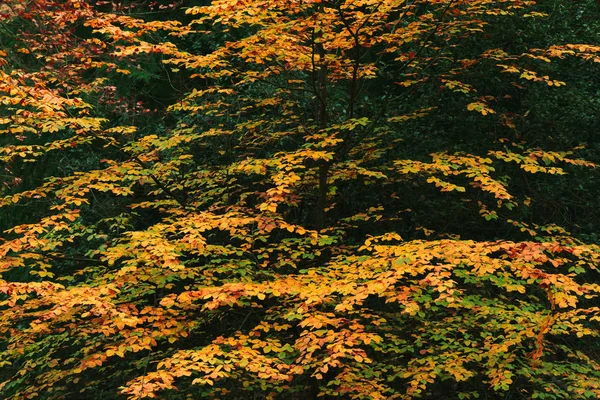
[(291, 199)]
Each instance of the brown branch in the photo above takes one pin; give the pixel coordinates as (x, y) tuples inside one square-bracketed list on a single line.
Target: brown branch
[(429, 36), (61, 257)]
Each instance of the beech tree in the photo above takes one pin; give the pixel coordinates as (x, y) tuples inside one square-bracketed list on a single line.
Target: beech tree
[(286, 225)]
